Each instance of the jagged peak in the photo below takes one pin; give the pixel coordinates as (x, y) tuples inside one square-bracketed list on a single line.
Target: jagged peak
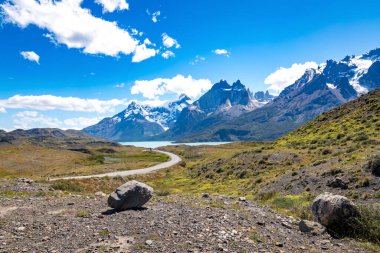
[(373, 54), (184, 97), (222, 84), (238, 85)]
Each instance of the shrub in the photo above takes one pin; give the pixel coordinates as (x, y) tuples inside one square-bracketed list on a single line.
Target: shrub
[(83, 213), (163, 193), (65, 186), (374, 165), (366, 226), (326, 151), (264, 196)]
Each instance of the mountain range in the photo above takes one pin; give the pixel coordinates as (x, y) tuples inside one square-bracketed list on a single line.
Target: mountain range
[(139, 121), (232, 113)]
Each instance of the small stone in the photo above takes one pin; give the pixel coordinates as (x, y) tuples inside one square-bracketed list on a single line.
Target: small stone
[(261, 223), (242, 199), (315, 228), (279, 244), (287, 225), (205, 195), (148, 242), (20, 228), (100, 194)]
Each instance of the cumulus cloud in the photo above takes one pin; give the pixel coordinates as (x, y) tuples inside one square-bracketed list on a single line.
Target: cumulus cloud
[(155, 16), (33, 119), (3, 110), (224, 52), (31, 56), (50, 102), (169, 41), (113, 5), (284, 77), (197, 60), (179, 84), (142, 52), (81, 122), (70, 24), (167, 54)]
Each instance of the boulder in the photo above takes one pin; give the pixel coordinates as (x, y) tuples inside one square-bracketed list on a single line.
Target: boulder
[(333, 211), (130, 195), (337, 183), (312, 227)]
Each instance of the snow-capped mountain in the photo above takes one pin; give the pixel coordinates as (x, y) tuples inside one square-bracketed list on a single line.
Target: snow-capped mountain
[(222, 102), (332, 84), (139, 121)]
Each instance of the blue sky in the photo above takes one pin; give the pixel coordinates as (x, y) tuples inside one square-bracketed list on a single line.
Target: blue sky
[(72, 62)]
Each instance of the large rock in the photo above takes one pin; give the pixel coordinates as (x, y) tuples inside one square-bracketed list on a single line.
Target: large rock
[(130, 195), (312, 227), (337, 183), (333, 211)]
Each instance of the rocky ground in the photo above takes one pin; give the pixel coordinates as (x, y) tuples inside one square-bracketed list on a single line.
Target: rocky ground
[(34, 218)]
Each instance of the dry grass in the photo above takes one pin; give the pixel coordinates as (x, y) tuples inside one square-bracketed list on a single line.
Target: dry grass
[(42, 162)]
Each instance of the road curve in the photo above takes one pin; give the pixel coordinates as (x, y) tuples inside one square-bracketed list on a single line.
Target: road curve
[(174, 159)]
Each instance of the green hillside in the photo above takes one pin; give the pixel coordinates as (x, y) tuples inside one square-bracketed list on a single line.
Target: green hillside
[(357, 122)]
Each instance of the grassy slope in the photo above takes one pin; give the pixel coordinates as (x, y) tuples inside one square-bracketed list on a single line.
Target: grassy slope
[(38, 162)]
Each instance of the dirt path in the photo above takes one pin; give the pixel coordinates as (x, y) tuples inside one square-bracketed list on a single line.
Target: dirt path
[(174, 159)]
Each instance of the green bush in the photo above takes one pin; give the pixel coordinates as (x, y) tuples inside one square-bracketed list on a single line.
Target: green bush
[(366, 226), (264, 196), (374, 165), (65, 186)]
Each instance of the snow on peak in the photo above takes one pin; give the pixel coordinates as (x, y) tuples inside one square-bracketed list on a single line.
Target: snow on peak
[(331, 86), (360, 67)]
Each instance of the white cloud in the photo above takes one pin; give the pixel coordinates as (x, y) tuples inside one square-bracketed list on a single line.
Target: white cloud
[(31, 56), (169, 41), (167, 54), (179, 84), (112, 5), (136, 32), (3, 110), (284, 77), (81, 122), (70, 24), (33, 119), (155, 16), (50, 102), (224, 52), (197, 60), (120, 85), (142, 52)]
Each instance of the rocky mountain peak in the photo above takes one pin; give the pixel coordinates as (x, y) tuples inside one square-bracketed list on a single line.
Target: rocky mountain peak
[(222, 84), (373, 54), (238, 85)]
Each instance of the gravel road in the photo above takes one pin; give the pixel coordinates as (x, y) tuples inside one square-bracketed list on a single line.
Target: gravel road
[(174, 159)]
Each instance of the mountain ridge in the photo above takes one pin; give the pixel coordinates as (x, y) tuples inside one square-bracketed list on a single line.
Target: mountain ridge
[(318, 90)]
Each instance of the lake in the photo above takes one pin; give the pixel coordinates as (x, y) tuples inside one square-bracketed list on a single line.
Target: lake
[(156, 144)]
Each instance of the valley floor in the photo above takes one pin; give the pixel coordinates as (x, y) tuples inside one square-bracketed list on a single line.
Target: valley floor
[(36, 218)]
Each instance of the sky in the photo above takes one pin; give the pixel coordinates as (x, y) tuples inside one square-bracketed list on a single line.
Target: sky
[(70, 63)]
